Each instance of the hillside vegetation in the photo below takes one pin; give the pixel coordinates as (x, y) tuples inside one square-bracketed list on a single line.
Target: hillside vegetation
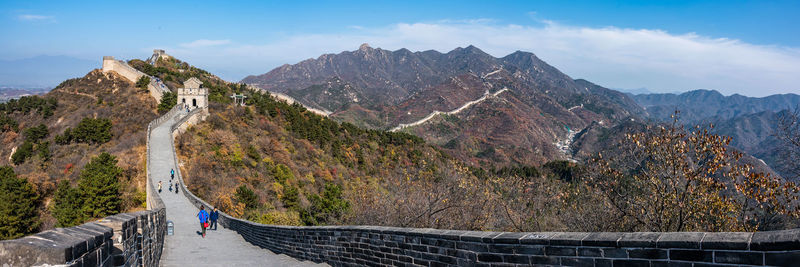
[(47, 140), (276, 163)]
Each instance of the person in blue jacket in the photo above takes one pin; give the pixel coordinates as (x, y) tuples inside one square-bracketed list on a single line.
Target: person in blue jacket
[(214, 216), (203, 216)]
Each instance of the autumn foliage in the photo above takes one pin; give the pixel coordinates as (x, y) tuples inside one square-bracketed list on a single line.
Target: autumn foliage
[(670, 179)]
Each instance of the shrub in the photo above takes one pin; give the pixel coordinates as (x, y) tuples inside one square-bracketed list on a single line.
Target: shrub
[(18, 201), (143, 82), (280, 218)]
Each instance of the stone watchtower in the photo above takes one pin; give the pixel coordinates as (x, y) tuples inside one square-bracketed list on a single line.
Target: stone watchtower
[(192, 94), (157, 54)]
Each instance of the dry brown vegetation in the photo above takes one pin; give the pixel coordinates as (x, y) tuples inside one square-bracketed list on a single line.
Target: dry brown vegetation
[(96, 95)]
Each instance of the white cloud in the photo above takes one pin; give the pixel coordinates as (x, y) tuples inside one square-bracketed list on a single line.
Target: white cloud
[(612, 57), (205, 43), (30, 17)]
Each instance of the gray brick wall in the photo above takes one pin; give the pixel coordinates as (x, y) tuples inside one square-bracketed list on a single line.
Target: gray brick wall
[(127, 239)]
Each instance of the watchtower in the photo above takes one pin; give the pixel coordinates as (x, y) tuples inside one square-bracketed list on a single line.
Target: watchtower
[(157, 54), (193, 94)]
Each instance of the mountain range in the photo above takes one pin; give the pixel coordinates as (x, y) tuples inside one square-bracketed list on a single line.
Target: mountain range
[(509, 110)]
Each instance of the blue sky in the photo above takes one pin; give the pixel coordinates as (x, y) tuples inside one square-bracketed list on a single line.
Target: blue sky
[(746, 47)]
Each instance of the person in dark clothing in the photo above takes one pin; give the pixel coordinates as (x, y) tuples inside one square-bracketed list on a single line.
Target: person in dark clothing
[(214, 216), (176, 187), (203, 216)]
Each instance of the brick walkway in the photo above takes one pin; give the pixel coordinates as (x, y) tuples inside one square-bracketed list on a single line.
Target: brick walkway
[(186, 247)]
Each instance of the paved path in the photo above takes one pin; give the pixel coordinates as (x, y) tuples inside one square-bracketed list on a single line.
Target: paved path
[(186, 247)]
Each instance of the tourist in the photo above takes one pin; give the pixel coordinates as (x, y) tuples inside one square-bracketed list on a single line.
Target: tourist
[(214, 216), (159, 186), (176, 187), (171, 174), (170, 185), (203, 216)]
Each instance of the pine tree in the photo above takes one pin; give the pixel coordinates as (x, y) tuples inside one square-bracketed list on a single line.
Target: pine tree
[(99, 186), (67, 205), (247, 197), (168, 101), (18, 203)]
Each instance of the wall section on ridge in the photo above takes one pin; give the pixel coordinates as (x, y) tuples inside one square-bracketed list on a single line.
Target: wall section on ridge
[(132, 74)]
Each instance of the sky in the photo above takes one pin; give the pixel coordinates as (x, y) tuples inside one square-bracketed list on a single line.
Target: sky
[(746, 47)]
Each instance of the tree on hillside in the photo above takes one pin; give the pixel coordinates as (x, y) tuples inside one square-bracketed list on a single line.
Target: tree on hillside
[(330, 206), (100, 187), (89, 130), (18, 203), (34, 134), (168, 101), (788, 133), (671, 179), (67, 205), (247, 197), (143, 82)]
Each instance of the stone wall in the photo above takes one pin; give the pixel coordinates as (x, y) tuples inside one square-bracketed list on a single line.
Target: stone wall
[(132, 74), (127, 239), (391, 246)]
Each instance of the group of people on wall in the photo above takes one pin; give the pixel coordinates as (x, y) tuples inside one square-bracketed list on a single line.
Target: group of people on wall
[(207, 221)]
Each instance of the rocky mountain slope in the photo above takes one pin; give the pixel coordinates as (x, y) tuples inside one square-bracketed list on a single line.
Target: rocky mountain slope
[(454, 94)]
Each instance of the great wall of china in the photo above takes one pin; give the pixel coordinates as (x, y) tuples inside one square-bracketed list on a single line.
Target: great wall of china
[(139, 238)]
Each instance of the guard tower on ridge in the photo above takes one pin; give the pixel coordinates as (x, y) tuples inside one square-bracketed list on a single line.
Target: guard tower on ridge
[(193, 94)]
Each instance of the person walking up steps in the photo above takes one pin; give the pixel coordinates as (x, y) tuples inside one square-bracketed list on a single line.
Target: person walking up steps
[(176, 187), (171, 174), (214, 217), (170, 185), (203, 216), (159, 187)]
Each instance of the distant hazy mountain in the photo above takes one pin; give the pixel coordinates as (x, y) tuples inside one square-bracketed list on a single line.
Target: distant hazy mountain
[(634, 91), (43, 71), (698, 105), (512, 109)]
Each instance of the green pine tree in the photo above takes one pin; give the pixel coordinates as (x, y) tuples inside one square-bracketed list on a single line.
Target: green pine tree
[(168, 100), (18, 201), (247, 196), (100, 188), (67, 205)]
